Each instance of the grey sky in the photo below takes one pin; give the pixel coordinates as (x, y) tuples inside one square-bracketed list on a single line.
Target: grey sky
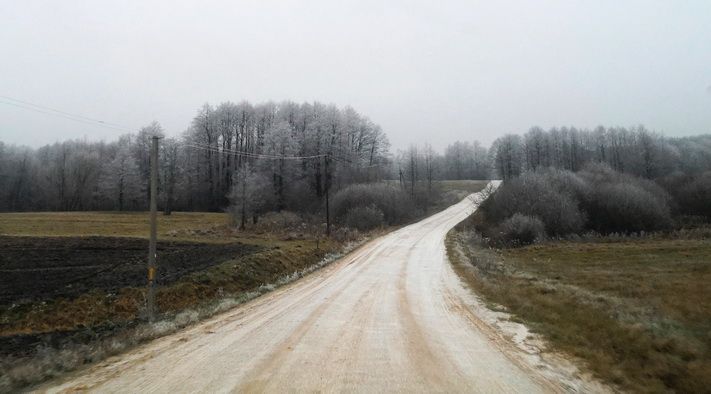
[(432, 71)]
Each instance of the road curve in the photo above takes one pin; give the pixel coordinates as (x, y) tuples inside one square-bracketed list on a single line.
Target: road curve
[(390, 316)]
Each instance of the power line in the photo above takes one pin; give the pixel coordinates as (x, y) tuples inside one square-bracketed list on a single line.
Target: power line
[(60, 111), (273, 157), (7, 100), (250, 154), (62, 114), (349, 161), (260, 155)]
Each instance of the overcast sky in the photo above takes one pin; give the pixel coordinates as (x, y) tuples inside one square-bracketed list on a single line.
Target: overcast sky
[(432, 71)]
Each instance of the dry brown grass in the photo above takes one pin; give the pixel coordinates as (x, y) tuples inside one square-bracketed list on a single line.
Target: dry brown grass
[(636, 312), (190, 225), (462, 185), (185, 299), (98, 323), (232, 277)]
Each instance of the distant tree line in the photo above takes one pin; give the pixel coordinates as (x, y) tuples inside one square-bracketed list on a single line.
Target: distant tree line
[(635, 151), (569, 181), (460, 160), (417, 168), (252, 159), (264, 157)]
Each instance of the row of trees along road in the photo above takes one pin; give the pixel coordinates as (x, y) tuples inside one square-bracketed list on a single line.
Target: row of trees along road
[(276, 156)]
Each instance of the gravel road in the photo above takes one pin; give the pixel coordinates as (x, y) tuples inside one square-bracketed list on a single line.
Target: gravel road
[(390, 316)]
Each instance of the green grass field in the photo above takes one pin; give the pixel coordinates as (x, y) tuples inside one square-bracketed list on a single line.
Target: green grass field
[(636, 311)]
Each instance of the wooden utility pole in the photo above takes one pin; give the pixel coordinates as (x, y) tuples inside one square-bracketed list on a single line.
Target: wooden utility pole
[(150, 299), (328, 186)]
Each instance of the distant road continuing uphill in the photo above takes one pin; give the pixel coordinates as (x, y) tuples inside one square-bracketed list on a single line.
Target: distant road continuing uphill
[(390, 316)]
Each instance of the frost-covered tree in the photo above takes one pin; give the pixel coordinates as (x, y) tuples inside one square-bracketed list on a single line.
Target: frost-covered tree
[(120, 180), (170, 171), (507, 155), (464, 160), (249, 194)]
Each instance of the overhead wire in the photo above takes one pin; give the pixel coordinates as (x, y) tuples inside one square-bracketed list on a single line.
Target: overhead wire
[(264, 155), (251, 154), (345, 160), (214, 149), (274, 157), (7, 100)]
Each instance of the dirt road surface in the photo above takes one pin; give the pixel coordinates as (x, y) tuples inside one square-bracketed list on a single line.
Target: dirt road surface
[(391, 316)]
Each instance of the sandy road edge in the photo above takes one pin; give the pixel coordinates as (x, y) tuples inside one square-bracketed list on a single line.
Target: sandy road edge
[(515, 340), (191, 319)]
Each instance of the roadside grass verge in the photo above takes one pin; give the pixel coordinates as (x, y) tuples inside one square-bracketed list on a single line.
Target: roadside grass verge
[(45, 333), (635, 311), (52, 361), (45, 336), (95, 306)]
